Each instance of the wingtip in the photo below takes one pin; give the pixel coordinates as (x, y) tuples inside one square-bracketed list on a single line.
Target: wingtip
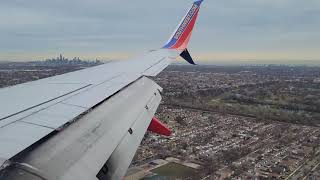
[(181, 36)]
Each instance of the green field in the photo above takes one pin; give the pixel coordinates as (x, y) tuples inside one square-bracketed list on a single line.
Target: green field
[(172, 171)]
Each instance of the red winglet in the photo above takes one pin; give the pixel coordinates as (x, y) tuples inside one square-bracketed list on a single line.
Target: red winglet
[(158, 127)]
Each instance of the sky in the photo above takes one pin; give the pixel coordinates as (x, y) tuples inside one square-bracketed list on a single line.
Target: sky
[(227, 30)]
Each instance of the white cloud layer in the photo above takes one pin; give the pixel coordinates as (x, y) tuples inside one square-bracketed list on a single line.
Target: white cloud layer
[(126, 26)]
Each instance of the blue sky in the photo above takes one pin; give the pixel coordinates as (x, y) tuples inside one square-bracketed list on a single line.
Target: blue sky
[(226, 30)]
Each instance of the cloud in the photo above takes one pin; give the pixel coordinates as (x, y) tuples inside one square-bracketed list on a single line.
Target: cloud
[(97, 26)]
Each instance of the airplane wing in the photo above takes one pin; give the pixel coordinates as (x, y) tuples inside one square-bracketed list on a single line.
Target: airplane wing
[(86, 124)]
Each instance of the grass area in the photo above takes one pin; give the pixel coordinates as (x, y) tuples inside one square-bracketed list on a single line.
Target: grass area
[(265, 112), (173, 170), (286, 102)]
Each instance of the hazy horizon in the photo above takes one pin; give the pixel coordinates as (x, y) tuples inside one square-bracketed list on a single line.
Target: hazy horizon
[(180, 61)]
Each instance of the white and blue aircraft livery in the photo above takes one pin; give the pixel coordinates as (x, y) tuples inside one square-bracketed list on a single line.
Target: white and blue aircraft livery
[(89, 123)]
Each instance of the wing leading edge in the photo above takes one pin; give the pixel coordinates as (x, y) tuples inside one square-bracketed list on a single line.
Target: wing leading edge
[(47, 113)]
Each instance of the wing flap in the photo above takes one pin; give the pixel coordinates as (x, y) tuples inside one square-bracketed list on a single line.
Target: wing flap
[(24, 136), (18, 99), (122, 156), (55, 116), (81, 149)]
